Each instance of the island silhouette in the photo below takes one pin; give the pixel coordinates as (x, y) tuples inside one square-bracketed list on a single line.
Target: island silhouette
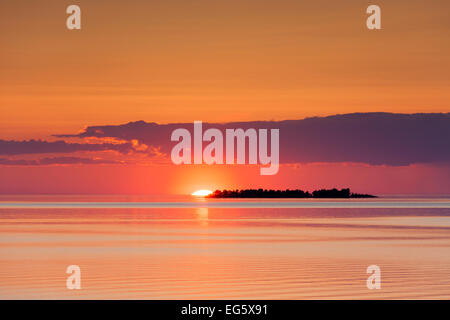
[(297, 193)]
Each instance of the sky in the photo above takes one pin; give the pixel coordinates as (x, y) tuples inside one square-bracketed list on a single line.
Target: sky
[(217, 61)]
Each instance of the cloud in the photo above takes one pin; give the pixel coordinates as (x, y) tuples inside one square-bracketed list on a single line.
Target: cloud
[(54, 160), (371, 138), (12, 147)]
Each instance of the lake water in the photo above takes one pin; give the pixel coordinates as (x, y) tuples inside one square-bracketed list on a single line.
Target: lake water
[(194, 249)]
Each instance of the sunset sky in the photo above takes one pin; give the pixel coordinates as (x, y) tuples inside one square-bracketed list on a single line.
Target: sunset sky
[(178, 61)]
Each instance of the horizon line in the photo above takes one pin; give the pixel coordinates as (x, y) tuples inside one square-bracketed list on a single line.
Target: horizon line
[(443, 204)]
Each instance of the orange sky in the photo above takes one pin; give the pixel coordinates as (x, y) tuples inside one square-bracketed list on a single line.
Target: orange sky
[(163, 180), (169, 61), (217, 61)]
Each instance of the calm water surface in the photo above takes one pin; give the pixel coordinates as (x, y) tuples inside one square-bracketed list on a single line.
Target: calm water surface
[(230, 253)]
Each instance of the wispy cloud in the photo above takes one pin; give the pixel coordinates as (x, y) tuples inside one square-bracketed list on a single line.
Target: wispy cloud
[(12, 147), (54, 160)]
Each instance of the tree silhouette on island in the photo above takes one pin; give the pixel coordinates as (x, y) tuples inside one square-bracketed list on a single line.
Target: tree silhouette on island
[(264, 193)]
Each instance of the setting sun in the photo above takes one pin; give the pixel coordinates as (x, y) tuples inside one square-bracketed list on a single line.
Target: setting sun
[(202, 193)]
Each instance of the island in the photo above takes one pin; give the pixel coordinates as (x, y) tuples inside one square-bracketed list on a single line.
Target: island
[(264, 193)]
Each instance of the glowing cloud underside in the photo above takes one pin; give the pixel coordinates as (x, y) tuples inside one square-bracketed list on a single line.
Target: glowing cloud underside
[(201, 193)]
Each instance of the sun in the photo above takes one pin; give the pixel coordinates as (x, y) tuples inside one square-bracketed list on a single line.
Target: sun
[(202, 193)]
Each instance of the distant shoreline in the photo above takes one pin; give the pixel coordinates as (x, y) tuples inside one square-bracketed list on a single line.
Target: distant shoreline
[(274, 194)]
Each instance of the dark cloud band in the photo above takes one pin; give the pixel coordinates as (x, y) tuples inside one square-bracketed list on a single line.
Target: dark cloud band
[(371, 138)]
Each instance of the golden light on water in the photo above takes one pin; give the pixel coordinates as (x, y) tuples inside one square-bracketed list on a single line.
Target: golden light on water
[(202, 193)]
